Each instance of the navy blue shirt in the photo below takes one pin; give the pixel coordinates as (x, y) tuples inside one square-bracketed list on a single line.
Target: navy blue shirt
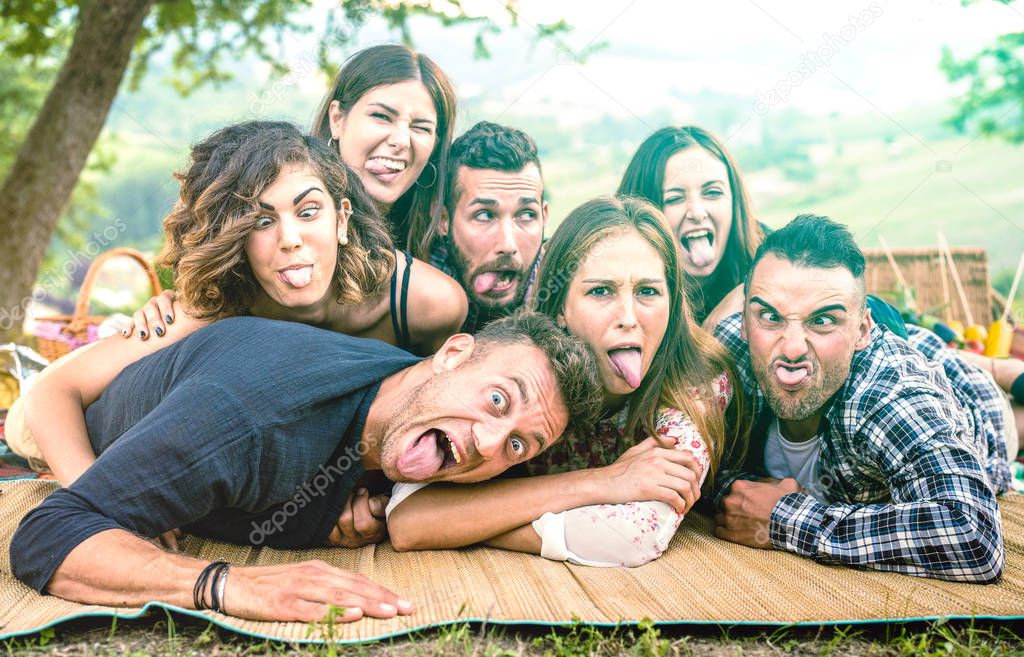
[(246, 431)]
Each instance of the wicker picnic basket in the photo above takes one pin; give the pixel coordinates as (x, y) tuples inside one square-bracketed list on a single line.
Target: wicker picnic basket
[(932, 283), (60, 334)]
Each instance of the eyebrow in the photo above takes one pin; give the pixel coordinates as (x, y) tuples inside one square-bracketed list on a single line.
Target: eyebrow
[(295, 201), (680, 189), (525, 397), (391, 110), (823, 309), (489, 202)]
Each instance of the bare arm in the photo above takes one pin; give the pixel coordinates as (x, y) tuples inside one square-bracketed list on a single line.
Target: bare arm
[(453, 515), (119, 569), (55, 405)]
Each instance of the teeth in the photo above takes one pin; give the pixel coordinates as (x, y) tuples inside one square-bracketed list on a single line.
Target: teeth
[(455, 452), (697, 233), (394, 165)]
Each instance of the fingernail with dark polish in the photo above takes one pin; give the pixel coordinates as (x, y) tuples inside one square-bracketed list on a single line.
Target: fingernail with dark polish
[(159, 331), (142, 334), (170, 320)]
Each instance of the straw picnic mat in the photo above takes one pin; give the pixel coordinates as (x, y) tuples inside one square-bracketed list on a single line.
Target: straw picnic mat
[(700, 579)]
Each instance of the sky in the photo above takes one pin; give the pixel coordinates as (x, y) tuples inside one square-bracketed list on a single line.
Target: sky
[(846, 57)]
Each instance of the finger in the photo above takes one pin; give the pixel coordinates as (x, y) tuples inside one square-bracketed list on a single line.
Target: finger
[(366, 524), (308, 611), (165, 307), (379, 505), (346, 535), (153, 318), (169, 540)]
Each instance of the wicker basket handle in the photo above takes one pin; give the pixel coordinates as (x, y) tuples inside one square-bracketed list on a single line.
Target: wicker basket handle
[(79, 319)]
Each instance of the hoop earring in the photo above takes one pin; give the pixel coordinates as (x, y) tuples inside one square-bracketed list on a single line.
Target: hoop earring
[(432, 180), (332, 143)]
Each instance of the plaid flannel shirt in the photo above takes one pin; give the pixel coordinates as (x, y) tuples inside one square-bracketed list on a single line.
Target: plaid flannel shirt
[(477, 316), (901, 464)]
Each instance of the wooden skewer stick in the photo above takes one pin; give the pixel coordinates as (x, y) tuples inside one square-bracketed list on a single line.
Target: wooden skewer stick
[(944, 247), (1013, 288), (947, 310), (892, 263)]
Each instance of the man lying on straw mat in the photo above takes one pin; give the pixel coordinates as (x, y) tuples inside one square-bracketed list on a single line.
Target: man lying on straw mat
[(255, 431), (869, 450)]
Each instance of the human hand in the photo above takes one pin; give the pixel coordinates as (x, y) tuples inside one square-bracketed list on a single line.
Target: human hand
[(168, 540), (747, 509), (153, 317), (303, 592), (648, 471), (362, 521)]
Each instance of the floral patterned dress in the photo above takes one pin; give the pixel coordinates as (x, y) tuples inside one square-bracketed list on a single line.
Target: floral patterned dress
[(628, 534)]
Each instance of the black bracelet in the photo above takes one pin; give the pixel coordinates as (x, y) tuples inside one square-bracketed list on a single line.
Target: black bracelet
[(217, 581), (199, 590)]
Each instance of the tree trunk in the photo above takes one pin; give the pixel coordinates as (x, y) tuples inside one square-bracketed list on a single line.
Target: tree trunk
[(54, 153)]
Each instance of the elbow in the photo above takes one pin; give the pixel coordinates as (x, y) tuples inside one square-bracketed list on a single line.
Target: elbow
[(404, 536), (980, 556)]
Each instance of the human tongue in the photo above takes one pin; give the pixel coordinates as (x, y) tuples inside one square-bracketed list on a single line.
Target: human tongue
[(485, 282), (791, 377), (421, 459), (298, 277), (627, 363), (701, 252)]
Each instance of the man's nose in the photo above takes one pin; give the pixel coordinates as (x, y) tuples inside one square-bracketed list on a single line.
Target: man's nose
[(794, 341), (507, 237), (489, 438)]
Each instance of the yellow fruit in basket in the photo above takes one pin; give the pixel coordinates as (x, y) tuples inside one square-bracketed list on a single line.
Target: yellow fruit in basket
[(956, 326), (975, 332), (9, 389)]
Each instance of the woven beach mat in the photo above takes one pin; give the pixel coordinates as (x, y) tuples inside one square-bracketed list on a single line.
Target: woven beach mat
[(699, 580)]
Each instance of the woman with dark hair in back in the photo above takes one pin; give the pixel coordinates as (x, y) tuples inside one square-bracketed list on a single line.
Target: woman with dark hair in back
[(688, 174), (390, 114)]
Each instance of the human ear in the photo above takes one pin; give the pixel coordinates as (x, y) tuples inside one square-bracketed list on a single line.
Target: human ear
[(443, 223), (560, 320), (455, 351), (864, 331), (336, 119), (344, 212), (544, 213)]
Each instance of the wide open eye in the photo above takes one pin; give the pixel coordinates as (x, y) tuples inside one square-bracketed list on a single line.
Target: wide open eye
[(499, 400), (517, 445)]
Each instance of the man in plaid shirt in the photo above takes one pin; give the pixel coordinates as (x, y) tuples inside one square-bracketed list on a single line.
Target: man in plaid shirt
[(863, 452)]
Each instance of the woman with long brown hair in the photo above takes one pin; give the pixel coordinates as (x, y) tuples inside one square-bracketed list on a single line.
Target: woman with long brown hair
[(390, 113), (690, 176), (610, 275)]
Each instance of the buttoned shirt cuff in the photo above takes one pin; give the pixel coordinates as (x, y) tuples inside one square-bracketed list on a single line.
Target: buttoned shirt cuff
[(551, 529), (796, 523)]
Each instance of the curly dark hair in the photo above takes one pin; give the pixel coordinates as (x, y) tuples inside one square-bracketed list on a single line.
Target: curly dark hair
[(488, 146), (205, 234)]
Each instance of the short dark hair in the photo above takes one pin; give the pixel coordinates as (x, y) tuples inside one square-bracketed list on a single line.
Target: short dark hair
[(571, 359), (812, 240), (488, 146)]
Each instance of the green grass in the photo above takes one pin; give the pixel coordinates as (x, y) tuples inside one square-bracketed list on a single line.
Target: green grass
[(167, 638)]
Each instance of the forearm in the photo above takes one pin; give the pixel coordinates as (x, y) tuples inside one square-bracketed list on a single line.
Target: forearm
[(117, 568), (454, 515), (55, 418), (944, 539), (521, 539)]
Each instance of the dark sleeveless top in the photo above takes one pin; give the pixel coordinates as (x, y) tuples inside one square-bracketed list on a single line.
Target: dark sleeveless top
[(400, 305)]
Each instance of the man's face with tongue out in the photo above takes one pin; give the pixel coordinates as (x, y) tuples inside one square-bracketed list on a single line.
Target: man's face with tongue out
[(697, 203), (803, 325), (496, 231), (476, 416)]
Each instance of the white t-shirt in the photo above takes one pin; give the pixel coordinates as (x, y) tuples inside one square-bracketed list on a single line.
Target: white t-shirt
[(799, 460)]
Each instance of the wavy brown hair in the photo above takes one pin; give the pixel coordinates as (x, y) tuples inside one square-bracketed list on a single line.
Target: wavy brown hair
[(415, 215), (206, 232), (645, 178), (688, 357)]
